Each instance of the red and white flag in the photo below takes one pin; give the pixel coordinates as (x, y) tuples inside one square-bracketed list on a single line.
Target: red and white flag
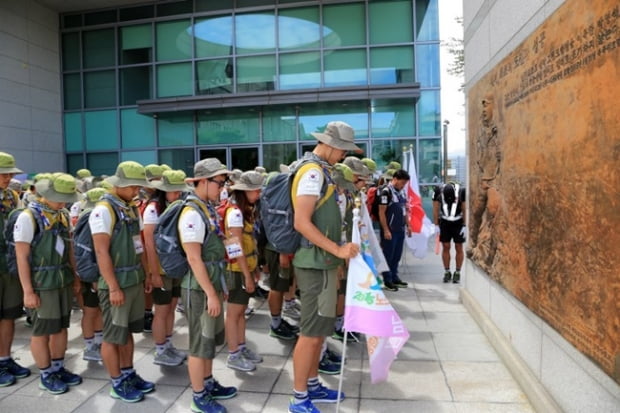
[(421, 227)]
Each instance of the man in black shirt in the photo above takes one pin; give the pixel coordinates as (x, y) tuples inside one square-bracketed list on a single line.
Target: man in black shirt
[(449, 214)]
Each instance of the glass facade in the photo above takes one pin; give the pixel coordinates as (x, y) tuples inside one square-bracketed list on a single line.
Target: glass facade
[(115, 63)]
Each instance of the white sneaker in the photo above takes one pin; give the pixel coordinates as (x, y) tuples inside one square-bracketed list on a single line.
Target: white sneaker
[(92, 353), (292, 312), (251, 356), (240, 363), (167, 358)]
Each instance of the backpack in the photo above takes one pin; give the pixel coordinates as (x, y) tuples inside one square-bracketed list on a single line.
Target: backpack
[(372, 202), (83, 249), (276, 208), (11, 256), (172, 258)]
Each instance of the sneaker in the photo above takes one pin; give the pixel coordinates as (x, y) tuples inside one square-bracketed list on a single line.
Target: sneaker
[(447, 276), (333, 356), (260, 292), (283, 332), (240, 363), (148, 323), (15, 369), (400, 283), (351, 336), (251, 356), (248, 311), (53, 384), (167, 358), (305, 407), (126, 392), (206, 404), (28, 322), (291, 312), (178, 353), (139, 383), (324, 395), (6, 378), (326, 366), (70, 379), (456, 277), (293, 328), (180, 308), (219, 392), (389, 286), (92, 353)]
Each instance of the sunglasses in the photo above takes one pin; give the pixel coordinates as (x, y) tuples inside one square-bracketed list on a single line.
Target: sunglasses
[(217, 181)]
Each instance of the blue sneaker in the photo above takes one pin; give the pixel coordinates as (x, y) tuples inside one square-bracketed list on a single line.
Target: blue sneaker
[(333, 356), (67, 377), (53, 384), (15, 369), (139, 383), (6, 378), (219, 392), (206, 404), (305, 407), (126, 392), (324, 395), (326, 366)]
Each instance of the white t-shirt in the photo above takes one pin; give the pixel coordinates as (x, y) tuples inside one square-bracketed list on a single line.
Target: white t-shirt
[(191, 226), (24, 228), (310, 182), (100, 221), (234, 218), (150, 215), (75, 210)]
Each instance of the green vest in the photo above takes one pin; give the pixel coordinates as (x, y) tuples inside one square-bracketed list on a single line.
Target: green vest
[(48, 269), (127, 263), (327, 219), (213, 255), (8, 202)]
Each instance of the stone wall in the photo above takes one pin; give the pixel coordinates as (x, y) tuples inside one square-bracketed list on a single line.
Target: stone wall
[(544, 148)]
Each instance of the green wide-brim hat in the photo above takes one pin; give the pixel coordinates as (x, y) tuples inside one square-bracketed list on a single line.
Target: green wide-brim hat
[(92, 196), (172, 181), (129, 173), (343, 177), (62, 188), (7, 164)]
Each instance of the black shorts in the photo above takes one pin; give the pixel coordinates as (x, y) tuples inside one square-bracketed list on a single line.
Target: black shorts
[(451, 231)]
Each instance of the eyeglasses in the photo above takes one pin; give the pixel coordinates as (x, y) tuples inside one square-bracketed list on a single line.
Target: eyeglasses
[(217, 181)]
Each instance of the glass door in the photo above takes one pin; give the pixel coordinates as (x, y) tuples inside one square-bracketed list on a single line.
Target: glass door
[(244, 158)]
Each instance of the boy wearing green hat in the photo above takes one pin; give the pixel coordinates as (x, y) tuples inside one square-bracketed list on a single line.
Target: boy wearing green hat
[(46, 269), (121, 286), (11, 296)]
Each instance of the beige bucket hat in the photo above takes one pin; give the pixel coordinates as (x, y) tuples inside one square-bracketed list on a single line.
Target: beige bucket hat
[(249, 181), (338, 135), (208, 168)]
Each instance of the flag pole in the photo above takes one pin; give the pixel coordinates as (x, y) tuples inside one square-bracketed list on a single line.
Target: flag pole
[(356, 221)]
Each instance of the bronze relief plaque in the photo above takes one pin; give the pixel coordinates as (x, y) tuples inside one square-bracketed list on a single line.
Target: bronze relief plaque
[(544, 157)]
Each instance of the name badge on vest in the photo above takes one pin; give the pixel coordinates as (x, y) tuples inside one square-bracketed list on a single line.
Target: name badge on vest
[(137, 244), (60, 246), (233, 247)]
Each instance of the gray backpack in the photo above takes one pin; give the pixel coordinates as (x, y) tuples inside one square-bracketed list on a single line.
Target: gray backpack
[(276, 208), (170, 252)]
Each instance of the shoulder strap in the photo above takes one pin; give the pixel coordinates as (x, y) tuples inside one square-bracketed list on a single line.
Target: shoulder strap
[(303, 167)]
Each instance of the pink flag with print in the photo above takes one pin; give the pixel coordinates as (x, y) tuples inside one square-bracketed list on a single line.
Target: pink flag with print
[(368, 311)]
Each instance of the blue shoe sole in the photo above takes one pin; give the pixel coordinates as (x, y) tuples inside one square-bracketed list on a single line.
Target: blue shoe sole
[(116, 396), (59, 391)]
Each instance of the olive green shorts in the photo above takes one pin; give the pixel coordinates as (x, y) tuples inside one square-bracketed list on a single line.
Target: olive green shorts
[(54, 313), (119, 322), (280, 279), (318, 290), (235, 281), (205, 332), (171, 288), (89, 295), (11, 297)]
